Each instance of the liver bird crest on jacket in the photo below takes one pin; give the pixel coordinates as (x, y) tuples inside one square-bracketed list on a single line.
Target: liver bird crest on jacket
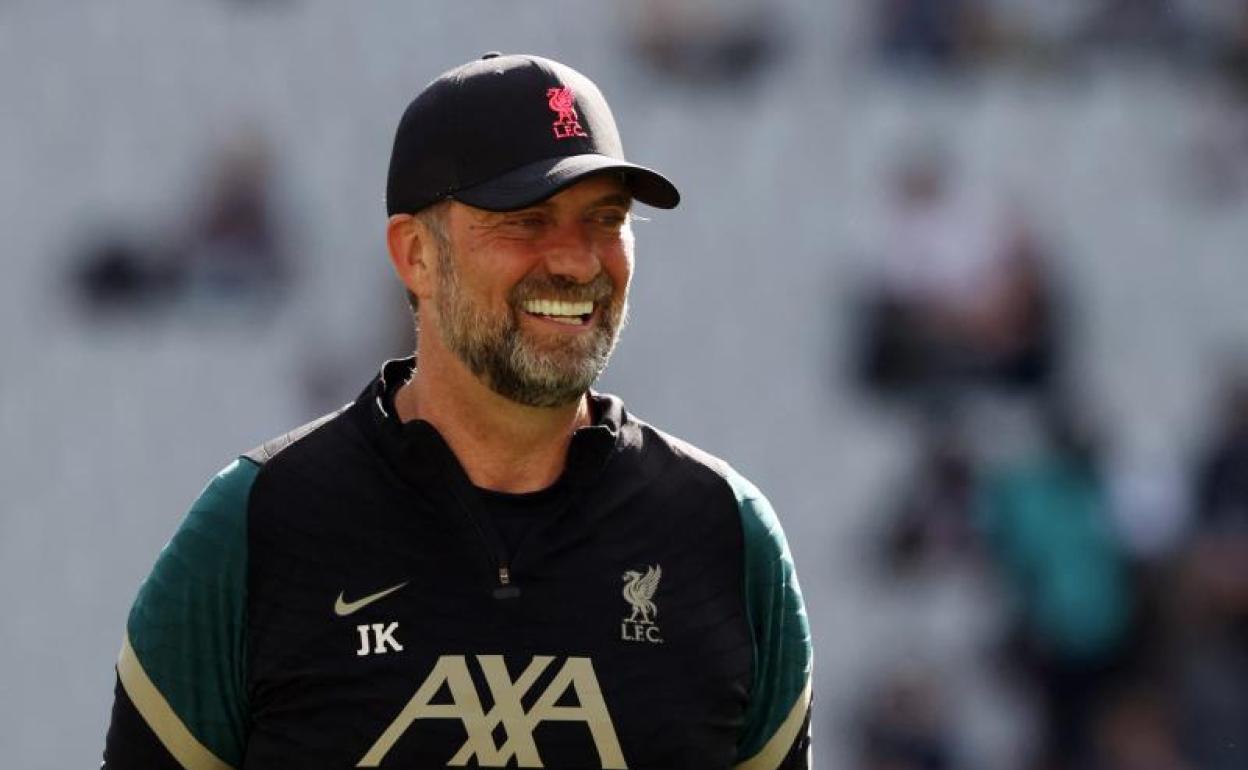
[(639, 592)]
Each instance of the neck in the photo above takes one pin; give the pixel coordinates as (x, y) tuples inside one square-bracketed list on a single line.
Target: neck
[(502, 445)]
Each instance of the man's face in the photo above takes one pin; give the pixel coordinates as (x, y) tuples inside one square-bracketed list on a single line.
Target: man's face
[(532, 301)]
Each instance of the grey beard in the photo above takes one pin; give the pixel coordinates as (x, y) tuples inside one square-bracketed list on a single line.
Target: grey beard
[(527, 377), (495, 350)]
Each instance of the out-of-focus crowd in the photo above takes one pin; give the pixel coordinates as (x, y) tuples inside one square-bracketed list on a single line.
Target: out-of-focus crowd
[(1122, 596)]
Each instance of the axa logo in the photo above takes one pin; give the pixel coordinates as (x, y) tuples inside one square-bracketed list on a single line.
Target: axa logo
[(639, 590), (563, 101), (451, 672)]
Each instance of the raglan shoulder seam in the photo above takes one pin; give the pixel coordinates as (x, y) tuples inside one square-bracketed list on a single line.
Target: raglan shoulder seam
[(270, 449)]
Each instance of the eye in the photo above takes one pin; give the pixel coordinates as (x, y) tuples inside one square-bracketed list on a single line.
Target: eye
[(526, 220), (610, 218)]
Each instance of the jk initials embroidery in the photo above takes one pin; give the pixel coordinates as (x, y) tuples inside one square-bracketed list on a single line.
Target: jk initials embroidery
[(563, 102)]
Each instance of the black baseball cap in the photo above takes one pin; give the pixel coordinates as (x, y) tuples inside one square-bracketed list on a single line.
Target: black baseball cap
[(505, 132)]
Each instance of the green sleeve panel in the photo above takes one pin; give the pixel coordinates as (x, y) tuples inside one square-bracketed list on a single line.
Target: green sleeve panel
[(186, 630), (777, 715)]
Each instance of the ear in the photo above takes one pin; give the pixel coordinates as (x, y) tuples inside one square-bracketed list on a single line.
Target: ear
[(412, 253)]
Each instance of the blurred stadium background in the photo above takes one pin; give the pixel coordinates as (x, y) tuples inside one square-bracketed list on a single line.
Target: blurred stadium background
[(959, 283)]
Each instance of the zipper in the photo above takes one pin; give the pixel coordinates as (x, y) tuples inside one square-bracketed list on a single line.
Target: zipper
[(494, 551), (430, 445), (505, 590)]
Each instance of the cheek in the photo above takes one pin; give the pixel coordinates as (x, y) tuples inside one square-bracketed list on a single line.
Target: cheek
[(618, 266), (490, 276)]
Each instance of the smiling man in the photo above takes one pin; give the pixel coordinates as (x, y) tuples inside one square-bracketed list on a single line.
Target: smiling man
[(481, 562)]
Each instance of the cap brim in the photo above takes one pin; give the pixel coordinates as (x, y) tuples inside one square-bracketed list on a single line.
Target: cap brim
[(537, 181)]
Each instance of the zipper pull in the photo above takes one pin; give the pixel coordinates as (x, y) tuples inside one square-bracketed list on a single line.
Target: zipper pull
[(505, 589)]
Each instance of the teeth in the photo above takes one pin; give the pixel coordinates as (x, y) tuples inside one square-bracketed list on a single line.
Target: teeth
[(557, 308)]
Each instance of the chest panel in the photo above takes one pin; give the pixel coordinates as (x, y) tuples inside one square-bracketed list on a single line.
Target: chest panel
[(377, 639)]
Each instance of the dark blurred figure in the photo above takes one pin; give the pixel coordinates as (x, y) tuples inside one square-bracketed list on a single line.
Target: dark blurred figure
[(937, 35), (1136, 729), (116, 274), (933, 522), (234, 250), (704, 42), (960, 298), (1148, 25), (1222, 481), (1047, 523), (1233, 57), (906, 726), (1220, 141), (1210, 611), (231, 252)]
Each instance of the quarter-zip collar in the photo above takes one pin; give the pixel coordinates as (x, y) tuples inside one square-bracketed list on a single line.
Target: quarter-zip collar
[(417, 452), (419, 440)]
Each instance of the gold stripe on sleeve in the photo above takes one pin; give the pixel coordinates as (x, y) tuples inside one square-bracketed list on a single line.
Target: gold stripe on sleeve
[(159, 715), (774, 752)]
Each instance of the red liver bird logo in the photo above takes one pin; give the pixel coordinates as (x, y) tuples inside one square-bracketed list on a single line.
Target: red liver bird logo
[(563, 102)]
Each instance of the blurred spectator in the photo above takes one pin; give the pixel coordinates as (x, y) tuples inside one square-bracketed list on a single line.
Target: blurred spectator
[(707, 42), (1141, 24), (1189, 32), (1136, 729), (116, 274), (906, 726), (960, 295), (1222, 481), (933, 523), (1234, 56), (1222, 141), (231, 251), (234, 249), (939, 35), (1215, 30), (1209, 619), (1210, 658), (947, 35), (1047, 524)]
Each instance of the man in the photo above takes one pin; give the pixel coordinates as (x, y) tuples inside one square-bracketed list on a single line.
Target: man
[(480, 562)]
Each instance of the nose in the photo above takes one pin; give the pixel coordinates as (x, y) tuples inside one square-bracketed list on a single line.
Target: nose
[(570, 252)]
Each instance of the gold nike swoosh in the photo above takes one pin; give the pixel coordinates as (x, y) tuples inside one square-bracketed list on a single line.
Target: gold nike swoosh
[(343, 608)]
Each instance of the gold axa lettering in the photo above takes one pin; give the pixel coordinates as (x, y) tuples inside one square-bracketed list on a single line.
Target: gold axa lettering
[(508, 710)]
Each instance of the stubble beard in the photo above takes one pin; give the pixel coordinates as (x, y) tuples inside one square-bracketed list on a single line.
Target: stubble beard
[(536, 372)]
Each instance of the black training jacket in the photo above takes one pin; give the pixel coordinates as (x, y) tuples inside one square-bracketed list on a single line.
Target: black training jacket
[(339, 598)]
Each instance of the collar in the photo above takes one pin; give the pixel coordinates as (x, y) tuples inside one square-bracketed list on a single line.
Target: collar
[(420, 449)]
